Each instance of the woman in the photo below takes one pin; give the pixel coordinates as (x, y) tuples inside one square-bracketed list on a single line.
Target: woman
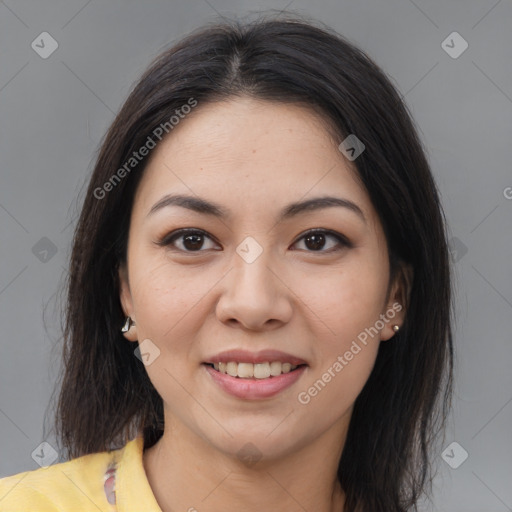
[(259, 296)]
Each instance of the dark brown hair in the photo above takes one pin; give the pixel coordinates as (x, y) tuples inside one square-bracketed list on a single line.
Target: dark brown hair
[(106, 397)]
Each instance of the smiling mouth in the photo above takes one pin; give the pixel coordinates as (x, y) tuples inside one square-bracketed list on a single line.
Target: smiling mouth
[(254, 371)]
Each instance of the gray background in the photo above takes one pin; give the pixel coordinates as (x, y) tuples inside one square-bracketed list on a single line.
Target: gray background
[(54, 112)]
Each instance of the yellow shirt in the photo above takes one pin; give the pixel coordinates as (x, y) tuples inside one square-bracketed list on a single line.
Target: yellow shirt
[(82, 484)]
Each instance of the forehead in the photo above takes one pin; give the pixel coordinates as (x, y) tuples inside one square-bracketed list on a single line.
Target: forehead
[(251, 153)]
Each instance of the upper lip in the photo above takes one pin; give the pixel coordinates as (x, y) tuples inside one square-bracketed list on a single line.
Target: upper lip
[(263, 356)]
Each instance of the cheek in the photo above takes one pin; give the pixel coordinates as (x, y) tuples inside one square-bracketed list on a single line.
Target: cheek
[(349, 303), (167, 302), (347, 299), (169, 312), (343, 363)]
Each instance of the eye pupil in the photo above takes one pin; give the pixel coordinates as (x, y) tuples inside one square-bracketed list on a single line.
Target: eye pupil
[(318, 241), (196, 243)]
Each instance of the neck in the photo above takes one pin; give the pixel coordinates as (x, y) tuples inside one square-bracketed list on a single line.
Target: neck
[(187, 473)]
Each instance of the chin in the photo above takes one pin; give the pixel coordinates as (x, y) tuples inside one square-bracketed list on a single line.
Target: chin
[(255, 448)]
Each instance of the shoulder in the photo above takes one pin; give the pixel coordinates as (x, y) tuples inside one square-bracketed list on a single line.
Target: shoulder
[(73, 485)]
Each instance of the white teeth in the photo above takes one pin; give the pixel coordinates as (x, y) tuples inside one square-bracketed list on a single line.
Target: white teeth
[(245, 370), (257, 371), (275, 368), (261, 370), (232, 369)]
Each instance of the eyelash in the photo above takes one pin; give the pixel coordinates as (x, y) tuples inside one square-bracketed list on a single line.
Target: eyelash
[(169, 239)]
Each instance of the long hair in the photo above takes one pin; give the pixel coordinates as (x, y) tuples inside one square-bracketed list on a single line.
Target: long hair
[(106, 397)]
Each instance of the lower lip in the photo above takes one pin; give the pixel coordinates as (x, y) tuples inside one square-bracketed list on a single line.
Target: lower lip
[(253, 389)]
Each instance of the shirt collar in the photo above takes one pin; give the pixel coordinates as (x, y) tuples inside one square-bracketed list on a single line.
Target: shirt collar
[(133, 492)]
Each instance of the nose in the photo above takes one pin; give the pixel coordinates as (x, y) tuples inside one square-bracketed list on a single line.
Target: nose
[(254, 296)]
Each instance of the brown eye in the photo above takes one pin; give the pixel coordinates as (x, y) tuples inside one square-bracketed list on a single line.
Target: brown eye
[(191, 240), (316, 240)]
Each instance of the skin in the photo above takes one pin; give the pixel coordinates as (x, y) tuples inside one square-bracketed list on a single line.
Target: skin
[(253, 158)]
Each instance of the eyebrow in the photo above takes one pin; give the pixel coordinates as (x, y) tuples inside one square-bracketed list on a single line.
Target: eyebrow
[(205, 207)]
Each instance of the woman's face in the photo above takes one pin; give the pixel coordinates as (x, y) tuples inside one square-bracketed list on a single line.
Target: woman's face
[(254, 283)]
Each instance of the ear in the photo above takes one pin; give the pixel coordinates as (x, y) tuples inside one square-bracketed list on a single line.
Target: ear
[(398, 300), (125, 297)]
